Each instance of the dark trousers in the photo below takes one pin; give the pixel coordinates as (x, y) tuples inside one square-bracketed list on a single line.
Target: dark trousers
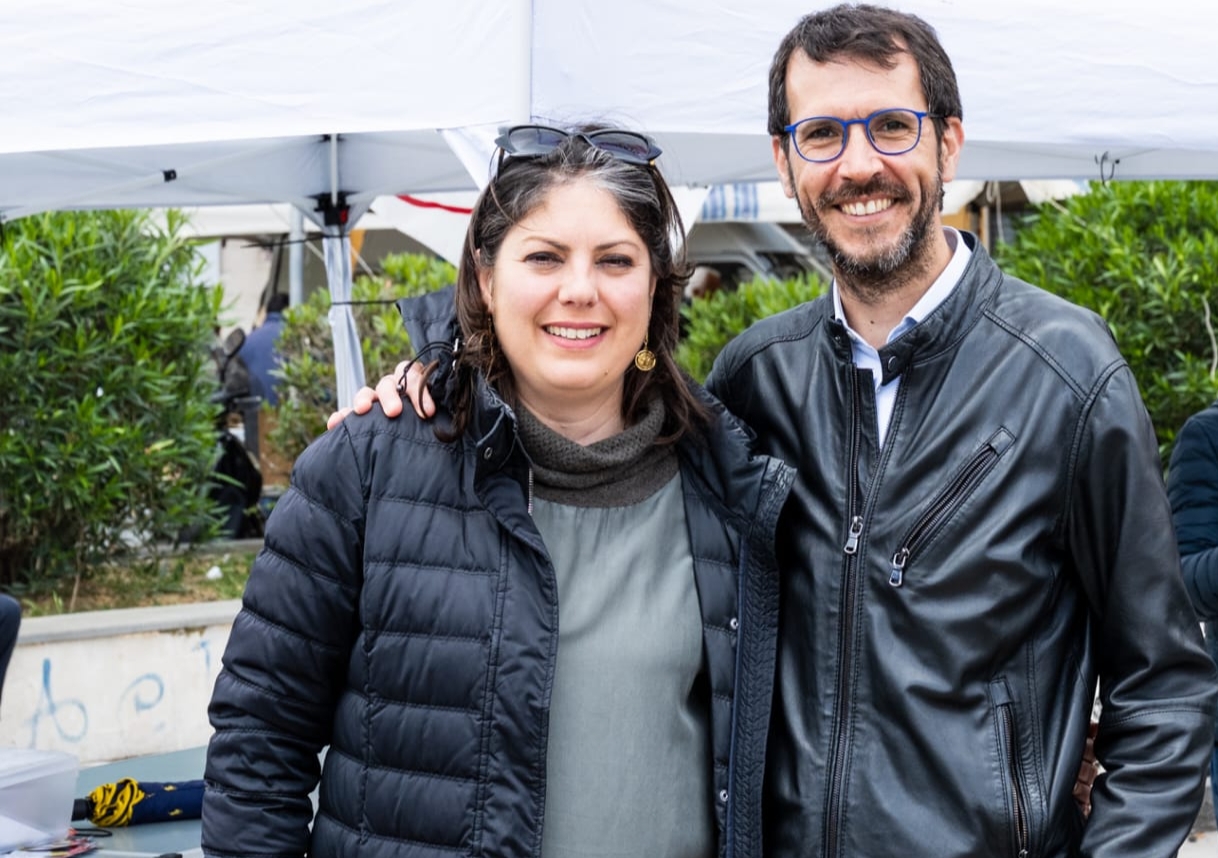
[(10, 619)]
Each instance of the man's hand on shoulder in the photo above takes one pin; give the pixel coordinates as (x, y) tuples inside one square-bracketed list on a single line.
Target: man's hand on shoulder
[(406, 380)]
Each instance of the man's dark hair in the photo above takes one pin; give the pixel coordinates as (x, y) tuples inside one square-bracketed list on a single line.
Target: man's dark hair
[(868, 34), (277, 303)]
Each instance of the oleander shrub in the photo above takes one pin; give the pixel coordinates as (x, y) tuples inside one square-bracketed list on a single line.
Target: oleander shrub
[(106, 429), (711, 322), (306, 345), (1144, 255)]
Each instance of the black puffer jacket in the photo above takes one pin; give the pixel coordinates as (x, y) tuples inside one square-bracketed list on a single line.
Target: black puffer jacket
[(950, 598), (1192, 488), (403, 612)]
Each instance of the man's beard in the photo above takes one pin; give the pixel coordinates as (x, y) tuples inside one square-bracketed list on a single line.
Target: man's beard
[(891, 268)]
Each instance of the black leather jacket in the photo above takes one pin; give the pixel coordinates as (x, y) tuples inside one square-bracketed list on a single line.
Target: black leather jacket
[(949, 599), (404, 613)]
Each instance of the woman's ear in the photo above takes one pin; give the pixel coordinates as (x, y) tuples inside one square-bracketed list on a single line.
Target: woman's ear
[(486, 285)]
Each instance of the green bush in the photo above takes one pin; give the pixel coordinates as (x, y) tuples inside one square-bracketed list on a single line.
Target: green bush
[(306, 345), (713, 321), (1144, 255), (106, 430)]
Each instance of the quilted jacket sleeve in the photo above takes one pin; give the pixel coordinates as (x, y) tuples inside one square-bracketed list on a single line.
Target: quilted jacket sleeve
[(1157, 684), (286, 660), (1192, 487)]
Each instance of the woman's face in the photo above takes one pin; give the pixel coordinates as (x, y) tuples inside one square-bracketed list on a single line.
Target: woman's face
[(570, 294)]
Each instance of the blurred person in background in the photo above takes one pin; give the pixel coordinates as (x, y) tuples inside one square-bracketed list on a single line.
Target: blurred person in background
[(260, 354), (1192, 487)]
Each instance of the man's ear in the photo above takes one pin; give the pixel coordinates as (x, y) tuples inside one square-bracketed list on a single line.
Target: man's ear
[(785, 175), (950, 147)]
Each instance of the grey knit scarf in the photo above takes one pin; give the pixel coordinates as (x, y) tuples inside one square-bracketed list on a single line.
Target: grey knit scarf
[(618, 471)]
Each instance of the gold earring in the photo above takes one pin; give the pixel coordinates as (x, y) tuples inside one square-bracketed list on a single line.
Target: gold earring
[(645, 359)]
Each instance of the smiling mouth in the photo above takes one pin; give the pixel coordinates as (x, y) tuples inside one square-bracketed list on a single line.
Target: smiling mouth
[(573, 333), (866, 208)]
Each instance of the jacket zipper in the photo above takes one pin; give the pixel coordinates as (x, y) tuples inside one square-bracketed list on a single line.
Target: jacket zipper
[(1013, 768), (946, 504), (729, 836), (837, 759)]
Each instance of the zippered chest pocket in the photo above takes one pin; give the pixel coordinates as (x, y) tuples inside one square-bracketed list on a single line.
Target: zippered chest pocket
[(945, 504)]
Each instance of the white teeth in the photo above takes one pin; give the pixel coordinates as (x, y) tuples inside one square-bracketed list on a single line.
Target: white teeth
[(869, 207), (573, 333)]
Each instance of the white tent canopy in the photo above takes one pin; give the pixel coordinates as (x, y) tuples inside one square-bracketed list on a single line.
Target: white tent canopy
[(325, 105)]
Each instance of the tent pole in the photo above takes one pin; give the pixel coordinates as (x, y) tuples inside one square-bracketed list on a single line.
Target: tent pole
[(334, 170), (296, 239)]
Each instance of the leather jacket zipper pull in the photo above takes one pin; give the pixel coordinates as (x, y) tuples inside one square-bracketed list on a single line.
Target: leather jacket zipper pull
[(852, 539), (896, 577)]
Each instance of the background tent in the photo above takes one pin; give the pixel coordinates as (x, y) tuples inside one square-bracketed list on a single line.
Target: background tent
[(326, 106)]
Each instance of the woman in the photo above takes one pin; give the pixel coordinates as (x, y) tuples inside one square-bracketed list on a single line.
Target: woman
[(544, 623)]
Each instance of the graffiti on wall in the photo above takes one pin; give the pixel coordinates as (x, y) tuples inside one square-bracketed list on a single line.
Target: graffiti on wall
[(113, 697)]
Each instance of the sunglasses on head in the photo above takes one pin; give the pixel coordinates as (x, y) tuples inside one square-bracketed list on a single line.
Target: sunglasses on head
[(534, 141)]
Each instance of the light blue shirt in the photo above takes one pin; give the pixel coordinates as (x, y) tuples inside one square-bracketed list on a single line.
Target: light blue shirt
[(867, 357)]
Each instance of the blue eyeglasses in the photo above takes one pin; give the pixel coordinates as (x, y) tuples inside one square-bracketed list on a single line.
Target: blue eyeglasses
[(891, 131), (534, 141)]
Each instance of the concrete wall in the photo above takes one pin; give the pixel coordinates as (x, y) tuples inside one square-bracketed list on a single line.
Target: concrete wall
[(107, 685)]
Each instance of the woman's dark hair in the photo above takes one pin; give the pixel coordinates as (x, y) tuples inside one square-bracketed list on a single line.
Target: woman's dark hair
[(869, 34), (520, 187)]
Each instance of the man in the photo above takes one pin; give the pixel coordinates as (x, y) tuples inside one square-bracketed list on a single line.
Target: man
[(979, 531), (260, 354), (1192, 488)]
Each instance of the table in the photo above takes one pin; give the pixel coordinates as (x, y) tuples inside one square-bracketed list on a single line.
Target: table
[(157, 838)]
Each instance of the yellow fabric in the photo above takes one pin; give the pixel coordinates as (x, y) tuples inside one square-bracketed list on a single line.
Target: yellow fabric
[(112, 804)]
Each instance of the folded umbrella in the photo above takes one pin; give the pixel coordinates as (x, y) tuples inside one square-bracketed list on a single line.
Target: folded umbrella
[(132, 802)]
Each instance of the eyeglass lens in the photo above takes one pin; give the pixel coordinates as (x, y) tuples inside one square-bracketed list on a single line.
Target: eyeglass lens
[(623, 144), (891, 132), (529, 140)]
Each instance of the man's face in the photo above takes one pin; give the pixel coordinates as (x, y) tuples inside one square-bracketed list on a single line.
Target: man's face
[(878, 215)]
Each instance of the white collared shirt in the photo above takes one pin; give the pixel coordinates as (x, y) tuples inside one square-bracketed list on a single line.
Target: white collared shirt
[(867, 357)]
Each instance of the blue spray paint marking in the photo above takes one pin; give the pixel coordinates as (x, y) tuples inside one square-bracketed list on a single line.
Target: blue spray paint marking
[(50, 708), (148, 698), (205, 646)]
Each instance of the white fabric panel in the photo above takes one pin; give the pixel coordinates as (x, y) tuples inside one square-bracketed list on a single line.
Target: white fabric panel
[(475, 146), (294, 170), (660, 65), (1093, 74), (689, 202), (440, 230), (84, 74), (236, 99), (1047, 86), (259, 219)]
